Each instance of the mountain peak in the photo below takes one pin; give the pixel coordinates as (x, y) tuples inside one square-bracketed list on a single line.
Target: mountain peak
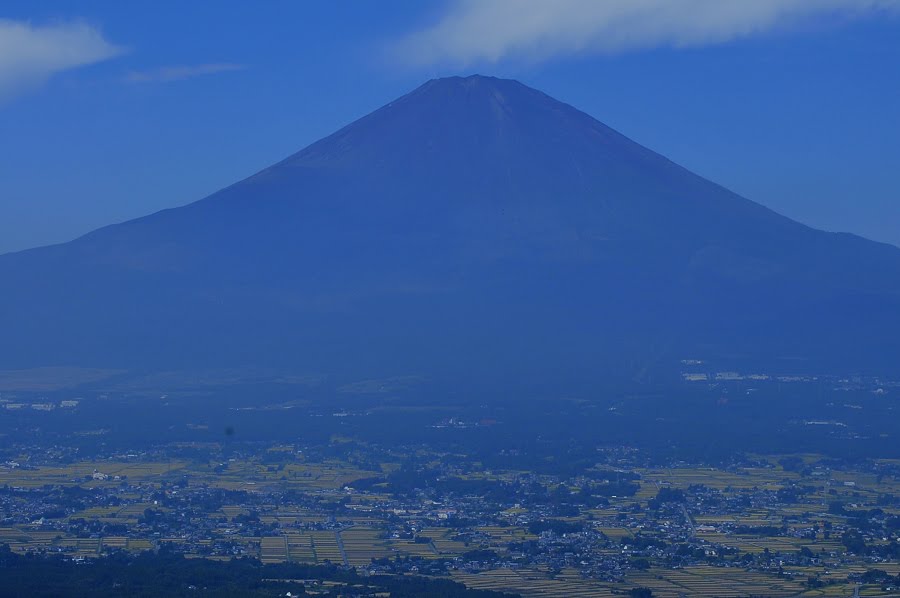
[(473, 79), (475, 82), (471, 82), (474, 226), (475, 90), (465, 120), (478, 87)]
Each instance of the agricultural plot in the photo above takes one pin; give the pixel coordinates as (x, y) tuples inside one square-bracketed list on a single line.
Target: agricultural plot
[(716, 582), (326, 547), (247, 474), (108, 473), (411, 548), (273, 549), (88, 546), (647, 490), (117, 542), (300, 548), (767, 479), (875, 591), (757, 544), (444, 542), (16, 538), (139, 545), (362, 544), (129, 514), (98, 513), (615, 533), (232, 511), (535, 584), (501, 536)]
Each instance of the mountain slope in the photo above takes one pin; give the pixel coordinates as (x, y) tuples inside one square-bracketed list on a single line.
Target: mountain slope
[(473, 228)]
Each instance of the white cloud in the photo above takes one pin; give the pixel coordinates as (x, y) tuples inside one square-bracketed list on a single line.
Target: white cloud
[(473, 31), (166, 74), (29, 54)]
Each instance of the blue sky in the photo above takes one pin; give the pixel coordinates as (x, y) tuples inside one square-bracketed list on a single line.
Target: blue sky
[(112, 110)]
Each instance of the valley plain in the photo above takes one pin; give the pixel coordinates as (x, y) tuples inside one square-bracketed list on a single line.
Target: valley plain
[(514, 497)]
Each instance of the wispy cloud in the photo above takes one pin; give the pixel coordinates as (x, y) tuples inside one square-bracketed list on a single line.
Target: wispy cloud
[(166, 74), (30, 54), (474, 31)]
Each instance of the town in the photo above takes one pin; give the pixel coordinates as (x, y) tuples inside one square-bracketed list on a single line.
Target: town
[(627, 519)]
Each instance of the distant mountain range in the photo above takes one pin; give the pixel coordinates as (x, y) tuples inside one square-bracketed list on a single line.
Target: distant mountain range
[(474, 230)]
